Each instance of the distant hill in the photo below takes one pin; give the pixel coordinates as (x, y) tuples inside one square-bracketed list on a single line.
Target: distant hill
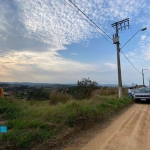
[(53, 84), (35, 84)]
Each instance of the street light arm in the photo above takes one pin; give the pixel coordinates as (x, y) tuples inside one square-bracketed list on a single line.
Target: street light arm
[(130, 39), (143, 29)]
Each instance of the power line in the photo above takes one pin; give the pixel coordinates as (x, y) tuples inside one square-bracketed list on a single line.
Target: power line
[(103, 32), (92, 22), (130, 62)]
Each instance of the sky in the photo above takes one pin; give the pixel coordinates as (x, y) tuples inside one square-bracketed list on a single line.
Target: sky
[(51, 41)]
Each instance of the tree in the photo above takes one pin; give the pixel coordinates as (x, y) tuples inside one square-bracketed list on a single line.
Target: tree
[(85, 87)]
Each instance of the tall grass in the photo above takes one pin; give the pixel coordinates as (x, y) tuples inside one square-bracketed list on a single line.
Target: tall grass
[(56, 97), (41, 124), (107, 91)]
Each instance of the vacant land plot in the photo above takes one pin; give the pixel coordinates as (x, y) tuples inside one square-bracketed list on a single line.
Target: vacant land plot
[(130, 131)]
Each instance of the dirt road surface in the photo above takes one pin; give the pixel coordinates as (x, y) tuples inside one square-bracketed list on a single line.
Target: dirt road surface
[(130, 131)]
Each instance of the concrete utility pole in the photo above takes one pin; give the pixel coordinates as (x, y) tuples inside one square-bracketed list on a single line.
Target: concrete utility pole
[(149, 81), (143, 76), (119, 26)]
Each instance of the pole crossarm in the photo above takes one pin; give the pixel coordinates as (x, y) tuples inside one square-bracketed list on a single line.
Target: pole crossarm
[(121, 24)]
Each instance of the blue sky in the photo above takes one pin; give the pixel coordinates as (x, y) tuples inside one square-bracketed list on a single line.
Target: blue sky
[(51, 41)]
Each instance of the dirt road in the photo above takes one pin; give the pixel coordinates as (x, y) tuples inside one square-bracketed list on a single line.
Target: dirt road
[(130, 131)]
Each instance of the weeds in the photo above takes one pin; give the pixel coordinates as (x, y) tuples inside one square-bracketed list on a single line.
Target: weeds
[(31, 124), (56, 97)]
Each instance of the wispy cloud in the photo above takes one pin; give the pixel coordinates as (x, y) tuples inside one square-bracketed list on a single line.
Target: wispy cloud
[(32, 32), (36, 24), (111, 66), (145, 47), (53, 22), (74, 54), (143, 37), (48, 62), (146, 53)]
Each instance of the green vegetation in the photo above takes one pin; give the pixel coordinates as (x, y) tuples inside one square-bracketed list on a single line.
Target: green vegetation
[(86, 87), (58, 97), (36, 124)]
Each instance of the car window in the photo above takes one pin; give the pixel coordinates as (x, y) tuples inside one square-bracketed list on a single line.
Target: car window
[(143, 90), (136, 91)]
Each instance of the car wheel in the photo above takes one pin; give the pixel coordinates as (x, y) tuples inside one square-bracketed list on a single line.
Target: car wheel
[(136, 100)]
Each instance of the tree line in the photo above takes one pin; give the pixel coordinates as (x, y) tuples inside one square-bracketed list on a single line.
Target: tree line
[(83, 89)]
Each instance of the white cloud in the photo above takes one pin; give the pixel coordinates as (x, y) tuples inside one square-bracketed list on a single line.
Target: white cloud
[(145, 47), (53, 22), (131, 54), (51, 61), (111, 66), (146, 53), (57, 24), (31, 33), (143, 37)]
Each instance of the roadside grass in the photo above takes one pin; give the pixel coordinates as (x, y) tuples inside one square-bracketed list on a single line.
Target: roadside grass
[(34, 124), (56, 97)]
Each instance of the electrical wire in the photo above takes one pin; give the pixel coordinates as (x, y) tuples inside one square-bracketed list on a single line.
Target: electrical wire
[(126, 56), (104, 33), (130, 62), (92, 22)]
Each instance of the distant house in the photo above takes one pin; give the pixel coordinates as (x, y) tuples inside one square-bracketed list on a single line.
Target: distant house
[(1, 92)]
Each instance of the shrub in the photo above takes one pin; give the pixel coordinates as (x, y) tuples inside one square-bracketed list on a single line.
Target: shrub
[(86, 87)]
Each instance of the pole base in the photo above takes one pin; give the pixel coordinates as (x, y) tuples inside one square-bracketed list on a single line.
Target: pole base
[(120, 91)]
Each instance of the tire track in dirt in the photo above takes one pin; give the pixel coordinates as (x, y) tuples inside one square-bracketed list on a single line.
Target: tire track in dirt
[(130, 131)]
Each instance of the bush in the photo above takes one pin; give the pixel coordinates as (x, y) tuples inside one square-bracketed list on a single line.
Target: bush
[(86, 87)]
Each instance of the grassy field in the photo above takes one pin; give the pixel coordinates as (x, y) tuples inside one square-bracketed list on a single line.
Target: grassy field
[(38, 124)]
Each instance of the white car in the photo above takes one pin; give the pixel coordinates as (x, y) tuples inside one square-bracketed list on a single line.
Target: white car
[(142, 94)]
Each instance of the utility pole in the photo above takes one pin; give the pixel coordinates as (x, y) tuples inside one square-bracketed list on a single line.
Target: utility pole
[(143, 76), (149, 81), (119, 26)]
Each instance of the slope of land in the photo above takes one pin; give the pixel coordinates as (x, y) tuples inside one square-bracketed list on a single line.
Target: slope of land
[(130, 130)]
